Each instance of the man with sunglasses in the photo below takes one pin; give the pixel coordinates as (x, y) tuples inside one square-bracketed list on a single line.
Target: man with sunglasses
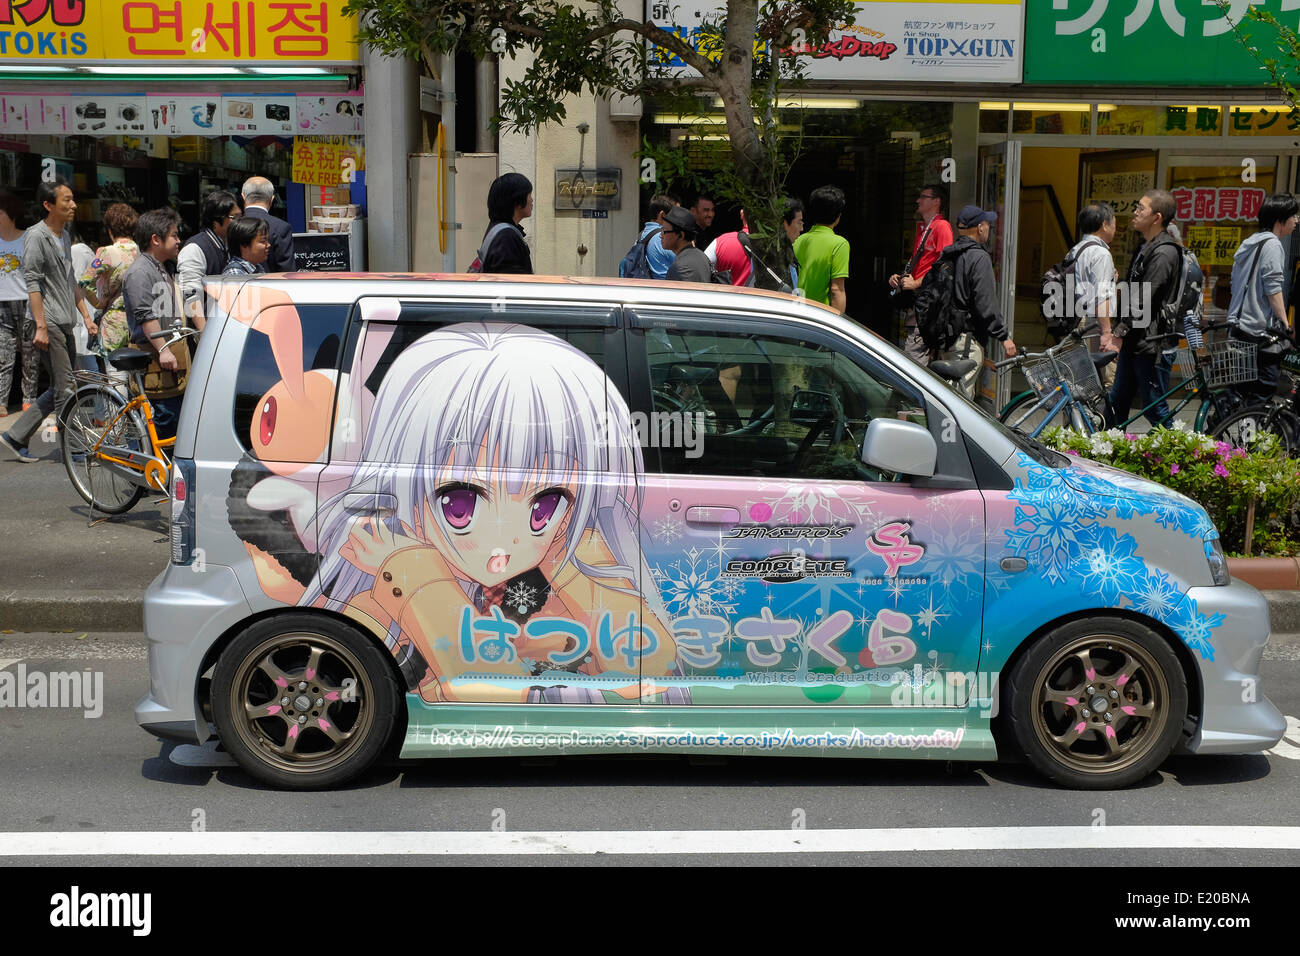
[(933, 235)]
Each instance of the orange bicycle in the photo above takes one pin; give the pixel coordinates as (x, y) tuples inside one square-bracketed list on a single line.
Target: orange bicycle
[(111, 449)]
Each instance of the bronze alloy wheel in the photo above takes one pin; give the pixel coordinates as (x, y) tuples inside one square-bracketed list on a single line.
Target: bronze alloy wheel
[(1098, 704), (303, 706)]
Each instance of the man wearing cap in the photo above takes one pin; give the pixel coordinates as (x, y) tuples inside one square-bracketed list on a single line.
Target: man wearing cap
[(975, 292), (678, 236)]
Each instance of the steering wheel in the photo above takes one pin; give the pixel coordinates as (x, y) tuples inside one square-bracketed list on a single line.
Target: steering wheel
[(803, 454)]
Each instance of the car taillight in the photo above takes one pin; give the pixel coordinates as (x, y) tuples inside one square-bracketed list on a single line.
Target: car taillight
[(183, 511)]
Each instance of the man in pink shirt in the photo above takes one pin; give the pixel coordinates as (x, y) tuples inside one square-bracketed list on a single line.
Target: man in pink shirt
[(933, 235)]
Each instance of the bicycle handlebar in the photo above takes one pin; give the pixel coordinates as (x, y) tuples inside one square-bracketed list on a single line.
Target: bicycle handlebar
[(1074, 335)]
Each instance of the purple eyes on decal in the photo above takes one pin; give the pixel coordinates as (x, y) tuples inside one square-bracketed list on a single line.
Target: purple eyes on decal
[(546, 507), (456, 504)]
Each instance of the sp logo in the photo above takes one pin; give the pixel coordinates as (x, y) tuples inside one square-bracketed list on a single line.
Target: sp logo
[(892, 543)]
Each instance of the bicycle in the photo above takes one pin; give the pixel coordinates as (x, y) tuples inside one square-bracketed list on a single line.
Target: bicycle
[(111, 450), (1068, 368), (1278, 415)]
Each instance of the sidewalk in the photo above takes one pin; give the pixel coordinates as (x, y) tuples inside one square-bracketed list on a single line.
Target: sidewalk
[(61, 574), (58, 572)]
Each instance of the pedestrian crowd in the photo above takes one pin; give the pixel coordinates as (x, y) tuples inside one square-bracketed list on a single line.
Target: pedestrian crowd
[(65, 307)]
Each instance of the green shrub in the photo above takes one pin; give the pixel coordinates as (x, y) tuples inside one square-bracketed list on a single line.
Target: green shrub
[(1222, 479)]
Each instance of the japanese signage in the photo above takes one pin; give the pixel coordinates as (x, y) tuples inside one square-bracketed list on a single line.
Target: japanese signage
[(180, 114), (588, 189), (935, 40), (1218, 203), (1113, 43), (321, 252), (327, 160), (1214, 245), (308, 32)]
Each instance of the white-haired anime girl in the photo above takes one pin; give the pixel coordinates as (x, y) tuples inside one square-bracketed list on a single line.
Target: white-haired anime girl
[(514, 467)]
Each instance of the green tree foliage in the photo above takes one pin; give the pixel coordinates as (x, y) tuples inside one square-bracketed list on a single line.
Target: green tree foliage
[(1281, 68), (745, 56)]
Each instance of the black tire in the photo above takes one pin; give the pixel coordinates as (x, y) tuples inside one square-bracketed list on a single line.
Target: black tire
[(1103, 732), (91, 415), (1017, 407), (304, 658), (1245, 427)]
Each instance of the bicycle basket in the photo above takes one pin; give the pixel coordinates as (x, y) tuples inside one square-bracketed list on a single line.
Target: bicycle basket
[(1226, 362), (1073, 364)]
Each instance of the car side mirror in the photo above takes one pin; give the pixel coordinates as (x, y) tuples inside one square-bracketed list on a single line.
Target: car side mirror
[(904, 448)]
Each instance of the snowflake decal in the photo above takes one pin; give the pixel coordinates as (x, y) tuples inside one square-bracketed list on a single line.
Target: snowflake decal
[(667, 529), (1109, 564), (694, 585), (442, 644), (521, 597), (954, 558), (816, 502), (1156, 595)]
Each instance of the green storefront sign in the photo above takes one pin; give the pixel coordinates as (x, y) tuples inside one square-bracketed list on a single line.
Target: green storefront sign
[(1148, 42)]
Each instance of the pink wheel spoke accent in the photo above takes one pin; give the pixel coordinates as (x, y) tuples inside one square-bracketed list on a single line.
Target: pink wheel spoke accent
[(313, 663), (1147, 709), (1067, 740), (1086, 665), (1070, 698), (262, 710), (329, 730), (291, 741), (272, 670), (1112, 742)]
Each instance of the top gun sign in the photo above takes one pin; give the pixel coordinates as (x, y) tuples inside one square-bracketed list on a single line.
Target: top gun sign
[(968, 41)]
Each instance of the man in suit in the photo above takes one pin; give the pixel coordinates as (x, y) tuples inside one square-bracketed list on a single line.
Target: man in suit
[(258, 196)]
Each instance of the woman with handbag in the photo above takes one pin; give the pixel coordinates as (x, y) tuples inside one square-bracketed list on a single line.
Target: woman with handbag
[(1258, 308)]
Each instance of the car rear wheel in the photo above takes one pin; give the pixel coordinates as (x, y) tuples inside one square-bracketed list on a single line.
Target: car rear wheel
[(304, 702), (1097, 704)]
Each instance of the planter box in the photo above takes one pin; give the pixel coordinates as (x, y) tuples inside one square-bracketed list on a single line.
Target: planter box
[(1267, 574)]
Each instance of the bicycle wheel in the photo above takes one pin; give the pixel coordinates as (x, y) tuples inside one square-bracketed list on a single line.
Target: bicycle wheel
[(1021, 415), (1215, 408), (90, 415), (1245, 428)]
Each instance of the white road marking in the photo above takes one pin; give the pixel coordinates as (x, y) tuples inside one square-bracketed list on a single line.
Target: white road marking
[(674, 842), (1289, 745)]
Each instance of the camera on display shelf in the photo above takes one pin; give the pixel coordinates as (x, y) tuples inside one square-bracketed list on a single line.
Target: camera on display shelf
[(128, 112), (277, 111), (92, 110)]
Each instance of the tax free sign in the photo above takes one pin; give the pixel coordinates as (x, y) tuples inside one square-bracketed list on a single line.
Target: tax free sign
[(917, 40), (1149, 42)]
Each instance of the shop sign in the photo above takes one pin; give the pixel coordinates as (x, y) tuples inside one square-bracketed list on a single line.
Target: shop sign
[(1213, 245), (178, 31), (1231, 203), (1109, 43), (185, 114), (588, 189), (327, 160), (932, 40), (1265, 121)]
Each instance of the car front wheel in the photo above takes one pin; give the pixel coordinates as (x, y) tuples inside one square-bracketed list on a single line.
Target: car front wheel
[(1097, 704)]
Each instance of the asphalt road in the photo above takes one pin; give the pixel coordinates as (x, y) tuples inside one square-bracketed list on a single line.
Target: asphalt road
[(69, 778)]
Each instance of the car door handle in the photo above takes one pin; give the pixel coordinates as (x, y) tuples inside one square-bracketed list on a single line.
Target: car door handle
[(369, 503), (701, 514)]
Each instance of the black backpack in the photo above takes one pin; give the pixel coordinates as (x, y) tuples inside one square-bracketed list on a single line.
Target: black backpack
[(636, 264), (939, 319), (1060, 295)]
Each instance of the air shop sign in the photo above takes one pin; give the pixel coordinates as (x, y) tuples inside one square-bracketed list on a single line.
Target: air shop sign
[(588, 188)]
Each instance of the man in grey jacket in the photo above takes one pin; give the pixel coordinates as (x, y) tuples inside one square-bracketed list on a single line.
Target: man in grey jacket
[(56, 301), (1258, 306)]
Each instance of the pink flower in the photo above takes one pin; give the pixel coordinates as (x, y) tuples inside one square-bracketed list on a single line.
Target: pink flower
[(1173, 469), (1129, 436), (1223, 448), (1239, 453), (1220, 470)]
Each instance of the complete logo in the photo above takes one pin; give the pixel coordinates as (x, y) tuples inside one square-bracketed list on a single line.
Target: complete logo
[(782, 568)]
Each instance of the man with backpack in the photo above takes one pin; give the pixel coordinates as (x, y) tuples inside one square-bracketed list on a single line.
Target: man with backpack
[(957, 305), (690, 264), (648, 259), (1081, 287), (1258, 307), (1156, 272)]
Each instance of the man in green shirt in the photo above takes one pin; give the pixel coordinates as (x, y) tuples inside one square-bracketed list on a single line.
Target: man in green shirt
[(823, 256)]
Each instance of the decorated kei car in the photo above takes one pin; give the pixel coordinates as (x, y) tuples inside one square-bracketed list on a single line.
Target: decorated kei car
[(480, 516)]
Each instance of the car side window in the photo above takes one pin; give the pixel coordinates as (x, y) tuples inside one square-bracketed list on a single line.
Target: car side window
[(391, 327), (285, 381), (755, 404)]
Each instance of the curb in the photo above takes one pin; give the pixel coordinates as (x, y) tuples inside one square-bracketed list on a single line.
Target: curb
[(70, 611), (28, 611)]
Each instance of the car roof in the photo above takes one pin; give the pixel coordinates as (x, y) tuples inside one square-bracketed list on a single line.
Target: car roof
[(320, 287)]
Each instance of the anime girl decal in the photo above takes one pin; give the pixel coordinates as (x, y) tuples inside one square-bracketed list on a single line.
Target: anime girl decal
[(510, 559)]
